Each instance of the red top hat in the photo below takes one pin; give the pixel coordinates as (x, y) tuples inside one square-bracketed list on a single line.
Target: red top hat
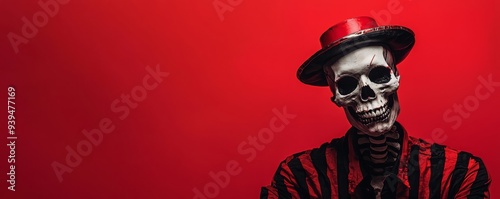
[(349, 35)]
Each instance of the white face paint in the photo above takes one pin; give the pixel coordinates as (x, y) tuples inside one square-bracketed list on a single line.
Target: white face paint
[(365, 85)]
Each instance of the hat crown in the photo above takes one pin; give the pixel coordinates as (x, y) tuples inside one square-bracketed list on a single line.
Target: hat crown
[(345, 28)]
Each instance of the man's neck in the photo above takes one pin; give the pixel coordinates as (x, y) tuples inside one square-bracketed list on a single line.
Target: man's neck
[(379, 153)]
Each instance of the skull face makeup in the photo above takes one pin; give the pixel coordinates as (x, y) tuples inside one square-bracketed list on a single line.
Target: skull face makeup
[(364, 83)]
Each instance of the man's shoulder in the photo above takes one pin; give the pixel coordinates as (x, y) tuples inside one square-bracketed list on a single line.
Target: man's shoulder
[(441, 151)]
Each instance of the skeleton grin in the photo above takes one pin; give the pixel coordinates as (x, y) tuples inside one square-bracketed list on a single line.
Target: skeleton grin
[(375, 115)]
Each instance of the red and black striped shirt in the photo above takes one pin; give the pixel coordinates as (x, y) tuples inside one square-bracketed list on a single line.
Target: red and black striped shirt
[(424, 170)]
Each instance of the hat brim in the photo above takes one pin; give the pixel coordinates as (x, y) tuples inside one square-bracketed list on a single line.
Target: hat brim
[(398, 39)]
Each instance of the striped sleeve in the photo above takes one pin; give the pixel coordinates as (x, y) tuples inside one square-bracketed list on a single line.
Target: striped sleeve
[(308, 174), (283, 186), (438, 158), (476, 181)]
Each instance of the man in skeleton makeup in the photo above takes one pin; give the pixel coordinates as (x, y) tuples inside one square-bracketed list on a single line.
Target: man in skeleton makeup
[(376, 158)]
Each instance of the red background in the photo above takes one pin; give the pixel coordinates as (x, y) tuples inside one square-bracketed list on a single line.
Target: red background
[(225, 78)]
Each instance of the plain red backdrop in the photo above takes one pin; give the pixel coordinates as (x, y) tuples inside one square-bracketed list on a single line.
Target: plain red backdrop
[(227, 72)]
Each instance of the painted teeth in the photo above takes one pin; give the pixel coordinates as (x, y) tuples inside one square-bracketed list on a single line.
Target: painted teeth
[(374, 112), (373, 115)]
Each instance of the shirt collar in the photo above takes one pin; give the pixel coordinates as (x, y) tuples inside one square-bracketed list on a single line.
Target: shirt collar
[(355, 175)]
